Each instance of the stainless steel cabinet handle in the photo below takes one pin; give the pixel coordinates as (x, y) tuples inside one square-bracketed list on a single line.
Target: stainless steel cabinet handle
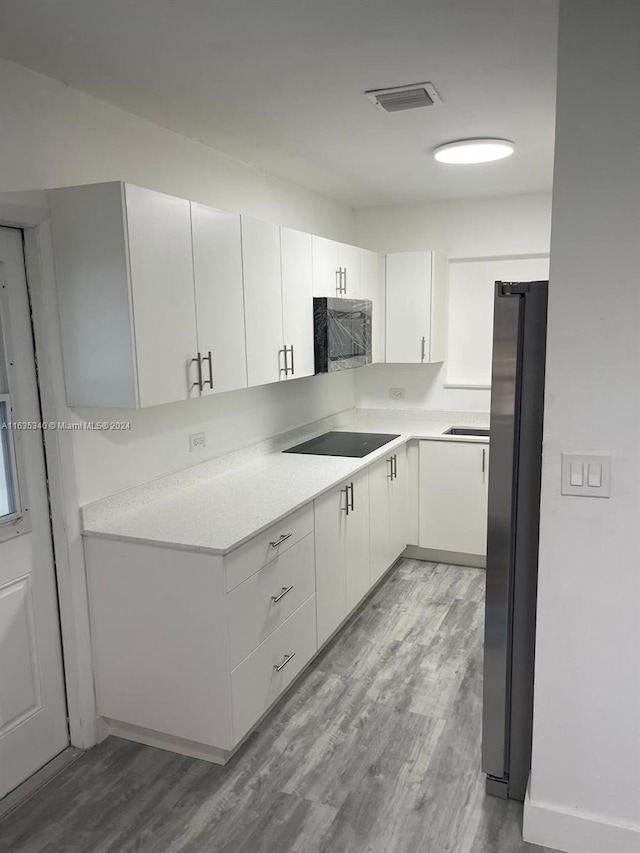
[(350, 486), (285, 661), (293, 369), (424, 342), (281, 352), (345, 492), (345, 281), (484, 459), (395, 466), (338, 282), (281, 595), (390, 463), (209, 381), (198, 361), (283, 538)]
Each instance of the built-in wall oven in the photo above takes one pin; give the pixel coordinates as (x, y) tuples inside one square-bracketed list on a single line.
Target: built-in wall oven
[(342, 330)]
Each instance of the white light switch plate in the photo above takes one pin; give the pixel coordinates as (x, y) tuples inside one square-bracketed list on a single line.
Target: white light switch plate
[(586, 475)]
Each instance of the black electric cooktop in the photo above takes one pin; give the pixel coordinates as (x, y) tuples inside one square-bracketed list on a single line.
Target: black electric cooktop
[(343, 444)]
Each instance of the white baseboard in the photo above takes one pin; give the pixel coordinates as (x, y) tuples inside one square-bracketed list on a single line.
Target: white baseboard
[(577, 832)]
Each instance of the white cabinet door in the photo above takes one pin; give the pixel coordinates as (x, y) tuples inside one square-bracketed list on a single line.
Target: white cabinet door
[(164, 315), (380, 482), (399, 508), (372, 287), (330, 529), (388, 509), (408, 315), (358, 576), (349, 263), (297, 302), (262, 301), (217, 261), (325, 266), (453, 496)]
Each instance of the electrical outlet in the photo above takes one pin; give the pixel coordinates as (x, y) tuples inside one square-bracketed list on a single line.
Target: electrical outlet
[(396, 393), (198, 441)]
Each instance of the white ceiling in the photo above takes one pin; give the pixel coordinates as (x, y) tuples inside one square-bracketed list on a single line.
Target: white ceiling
[(280, 83)]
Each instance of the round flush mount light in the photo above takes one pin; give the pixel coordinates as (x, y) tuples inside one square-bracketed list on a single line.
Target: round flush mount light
[(464, 151)]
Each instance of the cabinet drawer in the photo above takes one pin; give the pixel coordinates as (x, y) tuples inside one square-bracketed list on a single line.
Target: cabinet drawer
[(263, 548), (253, 613), (256, 683)]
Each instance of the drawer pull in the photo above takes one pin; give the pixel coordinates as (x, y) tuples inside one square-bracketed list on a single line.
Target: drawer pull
[(285, 590), (283, 538), (285, 661)]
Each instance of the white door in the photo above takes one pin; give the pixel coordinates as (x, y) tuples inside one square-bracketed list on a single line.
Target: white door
[(453, 496), (33, 715), (262, 301), (217, 268), (408, 315), (164, 312), (297, 302)]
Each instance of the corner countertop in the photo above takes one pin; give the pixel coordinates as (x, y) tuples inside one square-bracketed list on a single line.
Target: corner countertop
[(214, 508)]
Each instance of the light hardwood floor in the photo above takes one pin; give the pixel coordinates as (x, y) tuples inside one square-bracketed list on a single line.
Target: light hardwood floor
[(375, 750)]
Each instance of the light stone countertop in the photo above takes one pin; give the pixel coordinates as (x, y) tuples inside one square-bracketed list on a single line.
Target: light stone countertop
[(218, 505)]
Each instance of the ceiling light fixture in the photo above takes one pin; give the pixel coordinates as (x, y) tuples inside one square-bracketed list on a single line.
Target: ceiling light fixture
[(464, 151)]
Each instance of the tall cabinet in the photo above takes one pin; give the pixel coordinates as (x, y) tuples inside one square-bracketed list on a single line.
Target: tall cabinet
[(416, 307)]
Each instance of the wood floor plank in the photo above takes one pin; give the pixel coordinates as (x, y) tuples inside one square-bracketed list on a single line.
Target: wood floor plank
[(376, 749)]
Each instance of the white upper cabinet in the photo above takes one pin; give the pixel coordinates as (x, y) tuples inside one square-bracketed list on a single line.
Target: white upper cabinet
[(262, 301), (297, 303), (372, 288), (217, 262), (416, 305), (124, 272), (336, 269)]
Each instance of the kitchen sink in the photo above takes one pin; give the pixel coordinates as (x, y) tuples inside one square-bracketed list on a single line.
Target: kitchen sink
[(480, 432)]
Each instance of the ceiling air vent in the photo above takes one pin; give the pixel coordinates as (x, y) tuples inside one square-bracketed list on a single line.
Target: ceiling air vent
[(404, 97)]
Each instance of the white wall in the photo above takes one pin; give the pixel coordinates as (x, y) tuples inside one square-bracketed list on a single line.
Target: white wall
[(481, 228), (585, 783), (53, 136)]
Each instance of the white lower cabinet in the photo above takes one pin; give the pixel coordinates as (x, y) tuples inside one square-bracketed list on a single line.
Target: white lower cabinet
[(342, 552), (258, 681), (454, 482), (191, 649), (388, 510)]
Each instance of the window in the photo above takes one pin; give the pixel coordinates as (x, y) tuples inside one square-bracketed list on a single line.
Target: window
[(9, 501)]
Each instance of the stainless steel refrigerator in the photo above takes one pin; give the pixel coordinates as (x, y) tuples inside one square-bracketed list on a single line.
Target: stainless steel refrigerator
[(517, 400)]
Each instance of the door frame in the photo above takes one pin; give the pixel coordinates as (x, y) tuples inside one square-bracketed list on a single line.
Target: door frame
[(30, 212)]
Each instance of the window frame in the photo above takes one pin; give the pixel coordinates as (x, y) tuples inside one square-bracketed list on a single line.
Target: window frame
[(17, 522)]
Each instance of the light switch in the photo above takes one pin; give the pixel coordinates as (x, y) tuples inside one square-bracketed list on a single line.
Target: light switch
[(576, 477), (586, 475), (595, 476)]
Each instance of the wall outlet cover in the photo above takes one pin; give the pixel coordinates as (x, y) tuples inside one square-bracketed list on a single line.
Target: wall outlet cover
[(396, 393), (197, 441)]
